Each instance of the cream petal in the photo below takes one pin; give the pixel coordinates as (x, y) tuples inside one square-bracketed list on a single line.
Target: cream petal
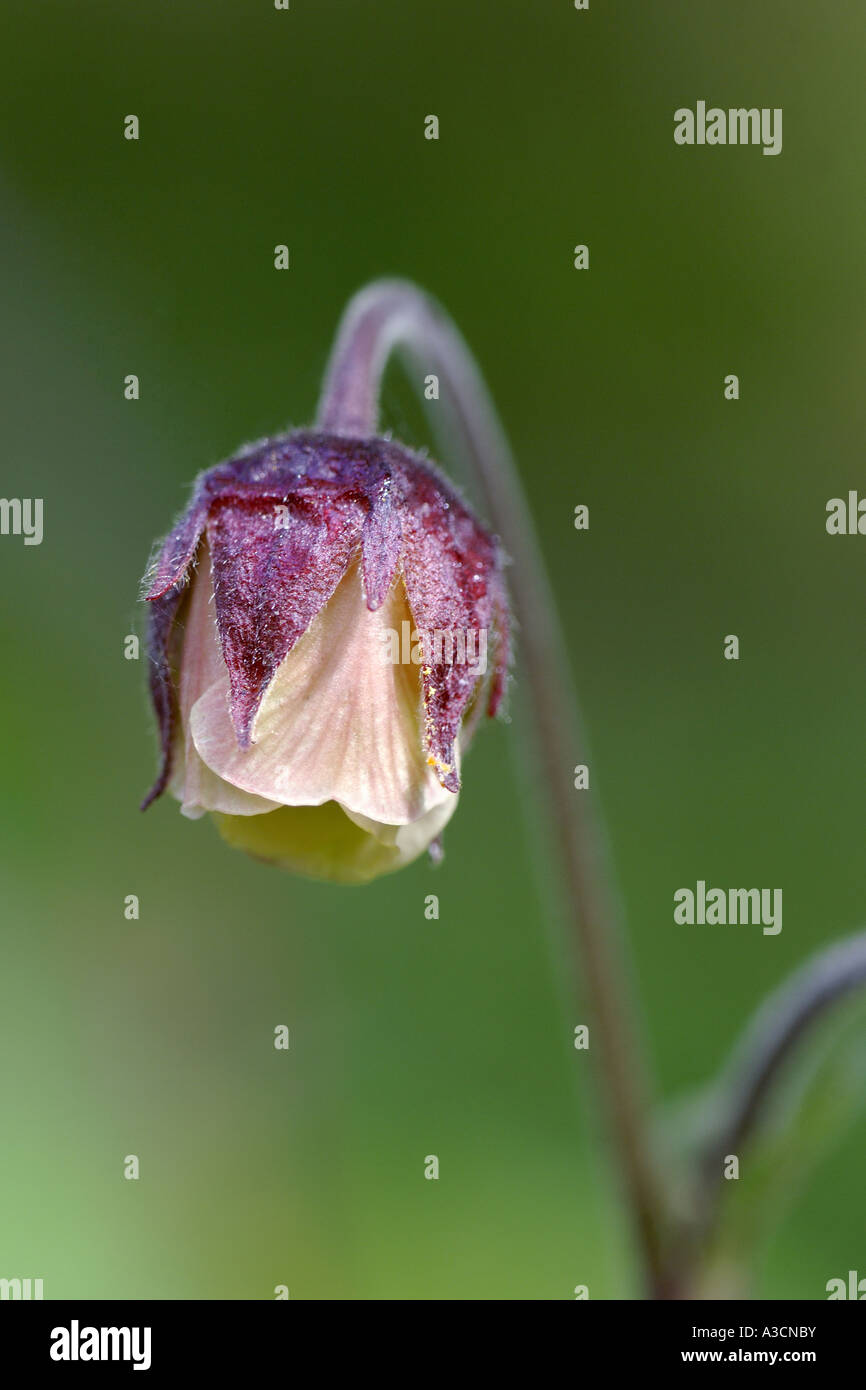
[(339, 721), (204, 791), (412, 839)]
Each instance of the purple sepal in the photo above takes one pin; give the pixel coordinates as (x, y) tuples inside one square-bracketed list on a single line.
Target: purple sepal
[(284, 521)]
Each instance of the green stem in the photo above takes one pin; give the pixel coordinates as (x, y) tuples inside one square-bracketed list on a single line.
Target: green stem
[(388, 315), (764, 1052)]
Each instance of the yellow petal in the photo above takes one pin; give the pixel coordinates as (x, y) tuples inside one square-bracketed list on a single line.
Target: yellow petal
[(322, 842)]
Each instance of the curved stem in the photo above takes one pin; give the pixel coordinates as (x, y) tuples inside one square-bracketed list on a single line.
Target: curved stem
[(767, 1045), (391, 314)]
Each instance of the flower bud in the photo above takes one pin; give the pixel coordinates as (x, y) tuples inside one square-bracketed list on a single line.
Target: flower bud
[(320, 623)]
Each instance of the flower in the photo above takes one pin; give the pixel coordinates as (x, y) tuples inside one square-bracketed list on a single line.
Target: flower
[(285, 706)]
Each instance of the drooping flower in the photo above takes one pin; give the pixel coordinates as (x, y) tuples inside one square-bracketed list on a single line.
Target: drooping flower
[(284, 703)]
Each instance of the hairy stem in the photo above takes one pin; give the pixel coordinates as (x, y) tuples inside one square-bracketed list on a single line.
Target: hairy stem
[(390, 315)]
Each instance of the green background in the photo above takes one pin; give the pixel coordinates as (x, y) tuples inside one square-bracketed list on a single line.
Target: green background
[(412, 1037)]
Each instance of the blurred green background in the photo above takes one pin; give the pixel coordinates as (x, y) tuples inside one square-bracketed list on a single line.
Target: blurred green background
[(412, 1037)]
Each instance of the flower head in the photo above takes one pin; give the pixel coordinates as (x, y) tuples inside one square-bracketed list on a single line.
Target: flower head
[(285, 705)]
